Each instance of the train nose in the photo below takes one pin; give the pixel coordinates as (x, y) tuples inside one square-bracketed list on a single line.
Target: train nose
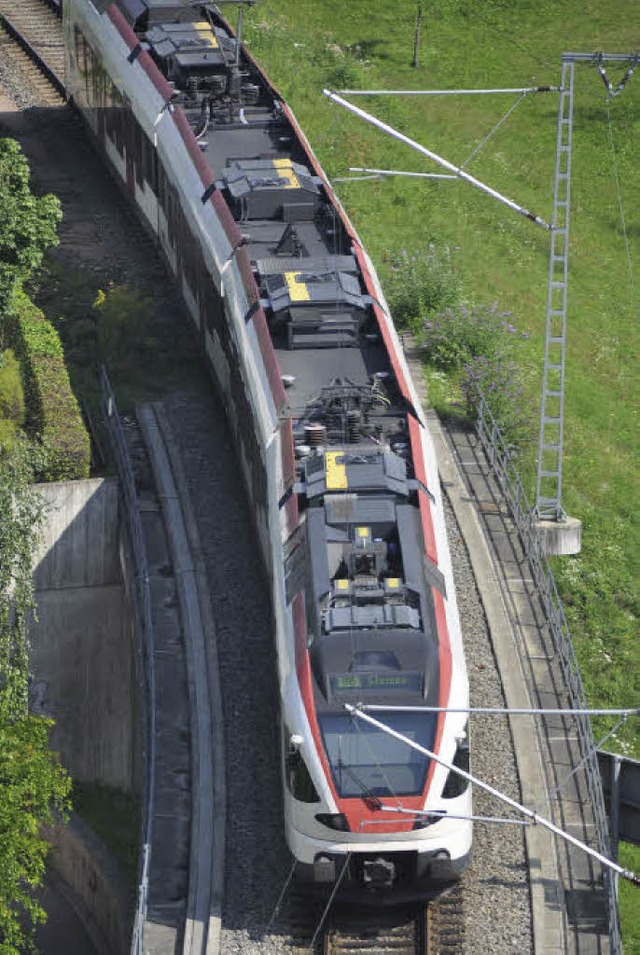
[(378, 872)]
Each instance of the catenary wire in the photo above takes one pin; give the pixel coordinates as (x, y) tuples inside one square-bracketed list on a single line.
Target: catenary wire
[(616, 179)]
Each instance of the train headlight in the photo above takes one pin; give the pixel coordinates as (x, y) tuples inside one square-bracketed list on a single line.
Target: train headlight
[(336, 821), (456, 784)]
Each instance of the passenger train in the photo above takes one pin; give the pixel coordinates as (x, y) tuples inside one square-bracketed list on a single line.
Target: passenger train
[(338, 461)]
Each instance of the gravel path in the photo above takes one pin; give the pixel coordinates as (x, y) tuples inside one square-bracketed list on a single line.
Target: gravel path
[(495, 887), (257, 860)]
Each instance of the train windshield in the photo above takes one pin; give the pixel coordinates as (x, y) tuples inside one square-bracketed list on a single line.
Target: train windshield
[(366, 761)]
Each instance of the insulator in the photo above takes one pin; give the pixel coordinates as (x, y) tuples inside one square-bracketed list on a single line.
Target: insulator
[(315, 434), (353, 426)]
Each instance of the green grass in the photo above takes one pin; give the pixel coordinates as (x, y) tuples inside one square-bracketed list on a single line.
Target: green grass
[(630, 857), (305, 45), (114, 816)]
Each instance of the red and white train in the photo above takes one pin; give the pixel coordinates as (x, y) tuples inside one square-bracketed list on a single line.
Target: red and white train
[(339, 465)]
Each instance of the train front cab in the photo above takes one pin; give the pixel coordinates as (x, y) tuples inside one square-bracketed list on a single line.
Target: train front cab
[(373, 869)]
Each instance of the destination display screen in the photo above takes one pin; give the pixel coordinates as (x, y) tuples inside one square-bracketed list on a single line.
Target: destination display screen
[(349, 683)]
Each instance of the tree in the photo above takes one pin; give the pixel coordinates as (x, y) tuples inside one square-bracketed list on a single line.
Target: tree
[(27, 225), (33, 784), (35, 791)]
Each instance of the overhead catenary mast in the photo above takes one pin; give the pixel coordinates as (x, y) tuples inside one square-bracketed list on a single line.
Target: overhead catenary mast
[(560, 534)]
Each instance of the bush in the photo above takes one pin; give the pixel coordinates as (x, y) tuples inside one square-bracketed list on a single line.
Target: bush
[(52, 407), (460, 335), (27, 225), (421, 283), (479, 345), (125, 326), (11, 397), (501, 383)]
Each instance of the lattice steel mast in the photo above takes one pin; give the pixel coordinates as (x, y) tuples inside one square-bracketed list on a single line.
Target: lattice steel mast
[(548, 505), (549, 480)]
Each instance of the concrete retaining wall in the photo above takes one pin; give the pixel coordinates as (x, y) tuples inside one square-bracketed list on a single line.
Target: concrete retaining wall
[(82, 644), (84, 676), (94, 886), (79, 547)]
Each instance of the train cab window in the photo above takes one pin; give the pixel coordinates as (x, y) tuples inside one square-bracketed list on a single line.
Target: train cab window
[(299, 781), (367, 761)]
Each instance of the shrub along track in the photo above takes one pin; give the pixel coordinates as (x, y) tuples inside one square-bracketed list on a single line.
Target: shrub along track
[(99, 230)]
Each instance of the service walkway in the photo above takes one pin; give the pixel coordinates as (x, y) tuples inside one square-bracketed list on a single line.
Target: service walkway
[(569, 903)]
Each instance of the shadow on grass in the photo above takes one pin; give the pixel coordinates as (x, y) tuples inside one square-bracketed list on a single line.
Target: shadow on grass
[(141, 334)]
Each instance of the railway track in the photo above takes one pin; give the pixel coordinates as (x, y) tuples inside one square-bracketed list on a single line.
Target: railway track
[(31, 37), (436, 928)]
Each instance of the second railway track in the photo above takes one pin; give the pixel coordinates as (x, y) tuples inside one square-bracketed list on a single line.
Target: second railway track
[(31, 38)]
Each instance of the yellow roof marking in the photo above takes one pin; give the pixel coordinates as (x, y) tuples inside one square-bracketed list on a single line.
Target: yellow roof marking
[(342, 584), (393, 582), (363, 531), (336, 474), (298, 291), (204, 31), (289, 178)]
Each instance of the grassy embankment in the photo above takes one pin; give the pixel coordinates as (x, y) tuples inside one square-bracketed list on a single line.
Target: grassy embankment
[(308, 44)]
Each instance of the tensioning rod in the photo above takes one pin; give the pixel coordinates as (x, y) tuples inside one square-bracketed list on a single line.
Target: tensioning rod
[(498, 710), (529, 813), (399, 172), (396, 134), (522, 89)]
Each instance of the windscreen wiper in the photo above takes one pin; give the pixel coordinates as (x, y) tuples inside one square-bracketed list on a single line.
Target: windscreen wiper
[(372, 802)]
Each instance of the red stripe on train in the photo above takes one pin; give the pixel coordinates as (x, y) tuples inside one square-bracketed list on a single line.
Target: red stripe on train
[(269, 358), (305, 681)]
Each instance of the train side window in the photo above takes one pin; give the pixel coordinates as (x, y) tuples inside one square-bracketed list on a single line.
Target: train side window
[(138, 146), (79, 49), (149, 163), (98, 84), (90, 66), (118, 124), (299, 781)]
